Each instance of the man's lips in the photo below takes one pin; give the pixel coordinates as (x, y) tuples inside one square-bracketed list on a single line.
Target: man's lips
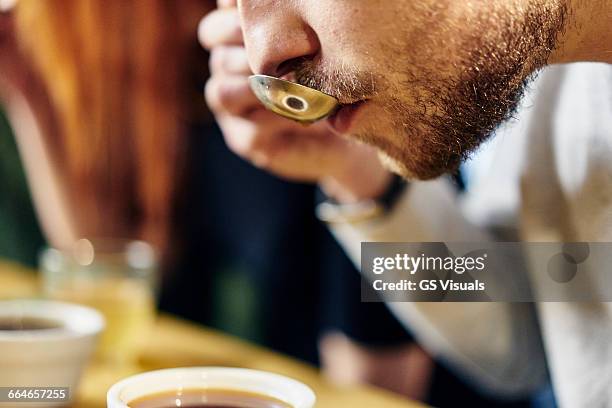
[(342, 120)]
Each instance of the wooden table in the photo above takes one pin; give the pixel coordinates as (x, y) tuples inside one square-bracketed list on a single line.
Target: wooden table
[(177, 343)]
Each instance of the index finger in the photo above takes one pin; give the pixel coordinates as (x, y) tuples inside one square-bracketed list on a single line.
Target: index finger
[(8, 5), (220, 27)]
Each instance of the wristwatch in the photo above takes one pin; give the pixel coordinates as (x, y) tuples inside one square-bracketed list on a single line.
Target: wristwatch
[(330, 211)]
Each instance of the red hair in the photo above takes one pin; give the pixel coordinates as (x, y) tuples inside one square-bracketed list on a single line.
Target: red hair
[(114, 71)]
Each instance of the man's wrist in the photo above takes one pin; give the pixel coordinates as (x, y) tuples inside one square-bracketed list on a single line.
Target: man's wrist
[(332, 211), (356, 190)]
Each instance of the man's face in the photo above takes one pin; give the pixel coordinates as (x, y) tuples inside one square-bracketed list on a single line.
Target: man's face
[(433, 78)]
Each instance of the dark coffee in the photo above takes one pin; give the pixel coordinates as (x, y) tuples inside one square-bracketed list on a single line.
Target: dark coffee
[(208, 399), (20, 323)]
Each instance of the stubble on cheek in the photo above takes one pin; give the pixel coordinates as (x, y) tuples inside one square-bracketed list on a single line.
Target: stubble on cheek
[(452, 97)]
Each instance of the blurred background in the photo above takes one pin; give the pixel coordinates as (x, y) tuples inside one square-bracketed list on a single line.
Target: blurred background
[(109, 137)]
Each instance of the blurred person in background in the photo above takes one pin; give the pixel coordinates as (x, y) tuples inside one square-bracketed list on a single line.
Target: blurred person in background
[(105, 101)]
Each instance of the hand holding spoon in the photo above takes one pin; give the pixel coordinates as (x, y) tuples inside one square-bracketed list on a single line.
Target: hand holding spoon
[(293, 101)]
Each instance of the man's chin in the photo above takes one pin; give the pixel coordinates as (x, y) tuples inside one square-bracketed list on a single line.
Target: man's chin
[(407, 162), (396, 166), (403, 170)]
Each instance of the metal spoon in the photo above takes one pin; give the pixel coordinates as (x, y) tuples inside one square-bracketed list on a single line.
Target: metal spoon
[(293, 101)]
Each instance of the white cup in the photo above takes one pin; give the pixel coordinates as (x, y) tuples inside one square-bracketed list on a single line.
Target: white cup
[(53, 357), (287, 390)]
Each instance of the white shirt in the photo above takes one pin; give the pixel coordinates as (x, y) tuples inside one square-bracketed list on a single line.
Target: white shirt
[(549, 172)]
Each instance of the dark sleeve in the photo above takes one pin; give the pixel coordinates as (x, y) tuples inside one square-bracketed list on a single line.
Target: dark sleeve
[(341, 306)]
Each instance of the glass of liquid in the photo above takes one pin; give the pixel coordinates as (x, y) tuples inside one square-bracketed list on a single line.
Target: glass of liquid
[(118, 278)]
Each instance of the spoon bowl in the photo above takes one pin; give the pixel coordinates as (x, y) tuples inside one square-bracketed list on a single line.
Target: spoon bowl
[(293, 101)]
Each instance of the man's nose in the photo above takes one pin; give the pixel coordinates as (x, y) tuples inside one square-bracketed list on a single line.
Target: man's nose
[(276, 38)]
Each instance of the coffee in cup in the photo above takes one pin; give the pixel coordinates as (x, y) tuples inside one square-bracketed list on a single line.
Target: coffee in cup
[(210, 387), (45, 344), (203, 398), (27, 323)]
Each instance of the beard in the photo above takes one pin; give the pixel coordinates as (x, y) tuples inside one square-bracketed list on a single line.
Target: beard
[(439, 106)]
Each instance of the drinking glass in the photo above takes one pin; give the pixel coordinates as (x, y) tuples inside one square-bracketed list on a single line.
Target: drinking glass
[(118, 278)]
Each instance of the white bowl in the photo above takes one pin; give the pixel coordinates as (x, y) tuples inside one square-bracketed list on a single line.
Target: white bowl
[(290, 391), (51, 357)]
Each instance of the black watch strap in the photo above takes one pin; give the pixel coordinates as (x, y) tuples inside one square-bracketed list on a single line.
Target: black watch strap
[(393, 193)]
